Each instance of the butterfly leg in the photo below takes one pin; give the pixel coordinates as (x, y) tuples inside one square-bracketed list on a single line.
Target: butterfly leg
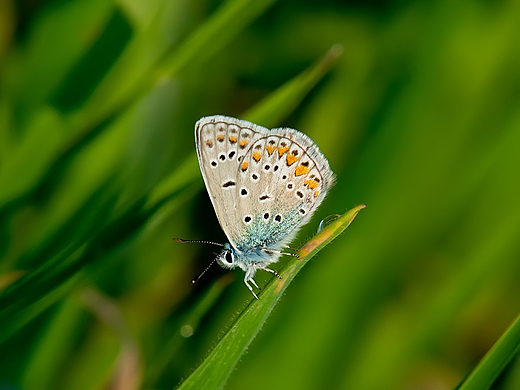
[(246, 281), (291, 254), (254, 283), (294, 252), (275, 251), (272, 271)]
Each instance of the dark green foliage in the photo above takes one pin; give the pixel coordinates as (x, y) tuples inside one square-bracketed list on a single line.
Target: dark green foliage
[(415, 104)]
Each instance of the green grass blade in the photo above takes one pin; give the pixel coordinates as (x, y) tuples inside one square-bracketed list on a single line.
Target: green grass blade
[(494, 362), (276, 107), (188, 325), (115, 98), (216, 368), (218, 31), (116, 93)]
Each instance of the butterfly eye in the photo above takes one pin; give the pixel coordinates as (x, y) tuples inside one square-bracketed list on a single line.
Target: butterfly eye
[(228, 257)]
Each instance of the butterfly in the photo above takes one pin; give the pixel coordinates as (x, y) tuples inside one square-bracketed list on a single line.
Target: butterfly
[(264, 186)]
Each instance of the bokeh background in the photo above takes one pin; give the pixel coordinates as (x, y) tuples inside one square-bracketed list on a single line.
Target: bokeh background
[(419, 117)]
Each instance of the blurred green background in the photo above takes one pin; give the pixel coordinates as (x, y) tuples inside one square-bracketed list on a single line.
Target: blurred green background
[(419, 118)]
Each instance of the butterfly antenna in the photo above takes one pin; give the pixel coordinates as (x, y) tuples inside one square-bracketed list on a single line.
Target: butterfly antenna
[(203, 272), (196, 242)]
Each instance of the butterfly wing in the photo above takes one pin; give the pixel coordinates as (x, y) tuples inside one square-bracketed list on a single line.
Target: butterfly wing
[(281, 181), (221, 145), (264, 184)]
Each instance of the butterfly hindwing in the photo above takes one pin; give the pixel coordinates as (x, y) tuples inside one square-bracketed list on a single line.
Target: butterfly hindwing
[(282, 180)]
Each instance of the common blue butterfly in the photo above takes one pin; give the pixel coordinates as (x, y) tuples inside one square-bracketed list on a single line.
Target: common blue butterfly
[(264, 185)]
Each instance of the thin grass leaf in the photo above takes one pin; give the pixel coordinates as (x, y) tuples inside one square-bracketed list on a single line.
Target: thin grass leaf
[(494, 362), (277, 106), (218, 31), (216, 368), (224, 25), (95, 116), (51, 352), (188, 325)]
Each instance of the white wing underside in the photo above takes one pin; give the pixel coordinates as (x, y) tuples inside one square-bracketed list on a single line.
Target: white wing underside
[(264, 184)]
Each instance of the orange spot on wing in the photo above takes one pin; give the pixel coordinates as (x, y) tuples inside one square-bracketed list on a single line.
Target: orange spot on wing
[(300, 170), (244, 142), (232, 139), (220, 137), (282, 150), (311, 183), (244, 165), (316, 193), (257, 156), (270, 149), (291, 159)]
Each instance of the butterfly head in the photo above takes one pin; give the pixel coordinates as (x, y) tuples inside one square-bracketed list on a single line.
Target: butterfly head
[(227, 257)]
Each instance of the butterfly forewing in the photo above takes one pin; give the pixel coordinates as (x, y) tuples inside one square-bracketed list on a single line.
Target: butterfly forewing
[(221, 145)]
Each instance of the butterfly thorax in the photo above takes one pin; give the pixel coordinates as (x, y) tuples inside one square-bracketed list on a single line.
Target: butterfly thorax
[(249, 261)]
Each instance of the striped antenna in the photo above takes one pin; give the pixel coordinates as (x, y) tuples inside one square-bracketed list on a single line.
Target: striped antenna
[(203, 272), (196, 242), (199, 242)]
